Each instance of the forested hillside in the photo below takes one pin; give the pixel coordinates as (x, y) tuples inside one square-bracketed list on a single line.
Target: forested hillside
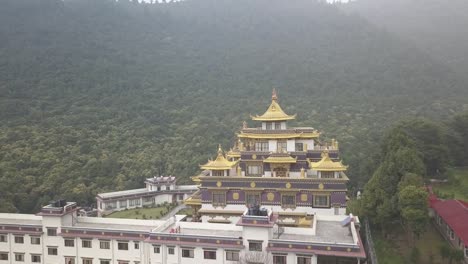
[(96, 95)]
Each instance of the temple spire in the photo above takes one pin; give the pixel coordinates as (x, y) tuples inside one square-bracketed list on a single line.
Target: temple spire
[(274, 111)]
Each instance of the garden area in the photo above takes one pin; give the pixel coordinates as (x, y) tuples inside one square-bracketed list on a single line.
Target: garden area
[(456, 187), (154, 212)]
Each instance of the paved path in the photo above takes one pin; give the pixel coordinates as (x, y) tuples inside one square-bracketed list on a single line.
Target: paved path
[(173, 212)]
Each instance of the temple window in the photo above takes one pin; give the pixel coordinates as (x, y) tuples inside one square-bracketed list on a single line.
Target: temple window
[(20, 257), (3, 238), (232, 255), (170, 250), (52, 231), (327, 174), (288, 201), (35, 240), (279, 259), (19, 240), (282, 146), (69, 260), (156, 249), (261, 146), (209, 254), (277, 126), (321, 201), (304, 260), (187, 253), (36, 258), (69, 242), (255, 245), (299, 146), (219, 199), (254, 170), (86, 243), (217, 172), (122, 245), (252, 199), (104, 244), (53, 251), (268, 125)]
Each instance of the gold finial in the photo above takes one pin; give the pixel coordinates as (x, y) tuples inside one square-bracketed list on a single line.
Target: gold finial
[(336, 144), (333, 142), (220, 151), (325, 153), (274, 96), (244, 125)]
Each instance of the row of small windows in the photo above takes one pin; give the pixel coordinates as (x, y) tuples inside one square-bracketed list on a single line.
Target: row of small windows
[(190, 253), (71, 260), (20, 257), (281, 146), (20, 239), (35, 258), (287, 200)]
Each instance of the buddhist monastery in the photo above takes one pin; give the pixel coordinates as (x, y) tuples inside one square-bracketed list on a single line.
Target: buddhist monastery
[(286, 169)]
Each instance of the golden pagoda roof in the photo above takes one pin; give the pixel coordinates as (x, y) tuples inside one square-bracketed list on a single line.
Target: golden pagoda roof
[(274, 112), (327, 164), (220, 163), (262, 135), (280, 159), (234, 152)]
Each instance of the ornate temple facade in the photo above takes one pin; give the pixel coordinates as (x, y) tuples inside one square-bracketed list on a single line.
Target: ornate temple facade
[(286, 169)]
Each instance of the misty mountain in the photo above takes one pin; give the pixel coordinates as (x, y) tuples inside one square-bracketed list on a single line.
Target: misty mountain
[(439, 28), (96, 95)]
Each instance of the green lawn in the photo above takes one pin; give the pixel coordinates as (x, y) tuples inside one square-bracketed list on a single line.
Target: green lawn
[(185, 211), (396, 250), (457, 185), (140, 213)]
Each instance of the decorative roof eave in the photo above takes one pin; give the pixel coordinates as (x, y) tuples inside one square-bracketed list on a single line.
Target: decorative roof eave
[(192, 201), (287, 159), (278, 136), (267, 118), (327, 164)]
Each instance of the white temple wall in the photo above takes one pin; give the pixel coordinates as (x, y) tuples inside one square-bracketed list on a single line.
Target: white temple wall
[(272, 145), (291, 145)]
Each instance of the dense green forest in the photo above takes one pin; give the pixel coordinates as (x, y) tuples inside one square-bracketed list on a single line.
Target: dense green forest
[(96, 95)]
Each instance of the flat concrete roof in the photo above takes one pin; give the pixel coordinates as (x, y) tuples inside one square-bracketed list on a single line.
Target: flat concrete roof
[(20, 219), (121, 193), (326, 232), (117, 224)]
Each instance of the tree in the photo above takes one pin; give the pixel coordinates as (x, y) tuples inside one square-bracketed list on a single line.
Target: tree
[(412, 201)]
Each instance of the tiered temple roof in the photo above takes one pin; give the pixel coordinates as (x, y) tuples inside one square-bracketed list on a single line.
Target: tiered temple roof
[(327, 164), (220, 163)]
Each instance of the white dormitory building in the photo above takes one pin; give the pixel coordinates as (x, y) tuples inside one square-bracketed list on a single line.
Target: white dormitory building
[(57, 235), (158, 190)]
